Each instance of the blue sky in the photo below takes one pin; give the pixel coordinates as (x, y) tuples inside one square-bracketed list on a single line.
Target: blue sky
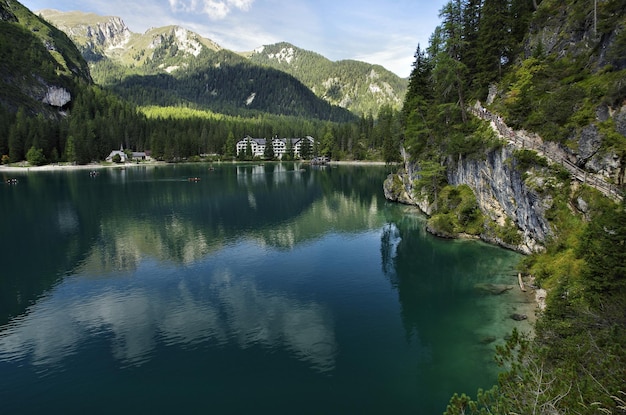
[(379, 32)]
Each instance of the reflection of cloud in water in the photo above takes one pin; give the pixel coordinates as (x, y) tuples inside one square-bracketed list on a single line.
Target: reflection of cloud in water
[(137, 318), (257, 317)]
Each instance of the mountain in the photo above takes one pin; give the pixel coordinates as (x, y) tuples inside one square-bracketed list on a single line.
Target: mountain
[(358, 86), (99, 37), (40, 66), (114, 52)]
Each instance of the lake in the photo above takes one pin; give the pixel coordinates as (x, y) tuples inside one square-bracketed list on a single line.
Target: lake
[(268, 289)]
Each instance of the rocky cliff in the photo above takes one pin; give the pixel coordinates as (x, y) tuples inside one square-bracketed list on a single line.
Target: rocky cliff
[(501, 192), (99, 37)]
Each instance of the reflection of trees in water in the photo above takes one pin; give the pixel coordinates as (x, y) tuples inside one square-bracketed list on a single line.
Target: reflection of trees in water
[(443, 316), (114, 220), (436, 277)]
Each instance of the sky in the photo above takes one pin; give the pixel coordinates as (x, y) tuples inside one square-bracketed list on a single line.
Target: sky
[(384, 32)]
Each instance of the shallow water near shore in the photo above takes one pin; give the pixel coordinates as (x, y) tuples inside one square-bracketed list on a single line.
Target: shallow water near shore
[(276, 288)]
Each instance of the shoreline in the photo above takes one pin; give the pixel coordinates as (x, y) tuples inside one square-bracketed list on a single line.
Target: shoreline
[(68, 167), (104, 165)]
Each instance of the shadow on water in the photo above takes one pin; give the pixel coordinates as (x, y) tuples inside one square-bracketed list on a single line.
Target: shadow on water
[(456, 299)]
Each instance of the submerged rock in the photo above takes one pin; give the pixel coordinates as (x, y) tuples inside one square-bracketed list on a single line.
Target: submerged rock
[(493, 289), (487, 339), (519, 317)]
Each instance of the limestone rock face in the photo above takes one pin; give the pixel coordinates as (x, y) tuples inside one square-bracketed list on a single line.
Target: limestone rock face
[(400, 187), (110, 34), (502, 193), (57, 97), (620, 120), (591, 158)]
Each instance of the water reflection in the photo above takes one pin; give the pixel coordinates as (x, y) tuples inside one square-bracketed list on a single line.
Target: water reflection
[(442, 309), (124, 241), (136, 318), (112, 232)]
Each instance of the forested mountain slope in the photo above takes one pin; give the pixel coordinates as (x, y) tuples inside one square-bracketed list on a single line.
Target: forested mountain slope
[(39, 65), (358, 86), (115, 53)]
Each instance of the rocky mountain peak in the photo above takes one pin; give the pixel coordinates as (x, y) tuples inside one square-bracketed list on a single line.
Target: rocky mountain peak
[(90, 29), (112, 33), (185, 40)]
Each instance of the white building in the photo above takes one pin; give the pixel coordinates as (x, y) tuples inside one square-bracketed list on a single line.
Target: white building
[(120, 152), (280, 145)]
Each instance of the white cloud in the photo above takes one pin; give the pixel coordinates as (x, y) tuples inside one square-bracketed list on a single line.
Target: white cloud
[(215, 9), (183, 6), (241, 4)]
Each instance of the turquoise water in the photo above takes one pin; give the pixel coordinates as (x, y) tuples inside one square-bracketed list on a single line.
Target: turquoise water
[(274, 288)]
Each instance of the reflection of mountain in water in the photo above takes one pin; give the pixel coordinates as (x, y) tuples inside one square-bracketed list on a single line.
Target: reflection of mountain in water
[(61, 221), (140, 220), (185, 312), (280, 209)]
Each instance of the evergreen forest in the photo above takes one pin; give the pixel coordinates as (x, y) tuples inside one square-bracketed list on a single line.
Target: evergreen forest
[(216, 100), (555, 68), (549, 67)]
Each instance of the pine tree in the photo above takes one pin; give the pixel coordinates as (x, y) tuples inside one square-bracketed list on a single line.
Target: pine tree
[(230, 146), (449, 71), (417, 100), (305, 149), (494, 44), (248, 154), (268, 152)]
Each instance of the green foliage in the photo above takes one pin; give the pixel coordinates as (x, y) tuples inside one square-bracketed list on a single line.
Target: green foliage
[(507, 233), (431, 179), (603, 248), (268, 153), (476, 144), (306, 151), (35, 157), (457, 212), (527, 159)]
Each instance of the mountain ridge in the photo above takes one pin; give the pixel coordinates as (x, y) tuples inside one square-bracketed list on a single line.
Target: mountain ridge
[(359, 86), (342, 83)]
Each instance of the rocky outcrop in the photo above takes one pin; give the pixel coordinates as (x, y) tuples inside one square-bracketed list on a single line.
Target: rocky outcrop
[(502, 192), (109, 34), (5, 12), (57, 97), (592, 156), (399, 187)]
